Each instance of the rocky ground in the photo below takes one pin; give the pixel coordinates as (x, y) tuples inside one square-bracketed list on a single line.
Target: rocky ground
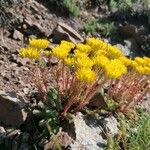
[(38, 21)]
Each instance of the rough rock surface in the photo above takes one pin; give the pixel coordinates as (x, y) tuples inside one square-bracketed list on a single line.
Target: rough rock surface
[(110, 124), (12, 109), (88, 136), (2, 134)]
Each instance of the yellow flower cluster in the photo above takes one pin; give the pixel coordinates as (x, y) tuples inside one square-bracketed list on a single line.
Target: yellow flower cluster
[(89, 58), (115, 68), (39, 43), (141, 65), (33, 51), (29, 52), (86, 75), (62, 50)]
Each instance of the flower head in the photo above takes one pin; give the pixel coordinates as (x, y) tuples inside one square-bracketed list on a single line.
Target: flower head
[(62, 50), (126, 61), (83, 48), (47, 53), (69, 61), (96, 44), (115, 69), (85, 62), (114, 52), (29, 52), (85, 75), (38, 43), (101, 61)]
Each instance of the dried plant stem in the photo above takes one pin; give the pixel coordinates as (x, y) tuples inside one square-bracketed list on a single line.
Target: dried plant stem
[(73, 98), (91, 91)]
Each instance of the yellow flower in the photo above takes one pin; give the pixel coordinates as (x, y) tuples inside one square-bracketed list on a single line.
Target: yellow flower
[(126, 61), (29, 52), (69, 60), (96, 44), (100, 52), (147, 70), (101, 61), (115, 69), (59, 52), (38, 43), (78, 53), (114, 52), (47, 53), (140, 69), (140, 61), (134, 64), (62, 50), (85, 62), (70, 45), (85, 75), (147, 61), (83, 48)]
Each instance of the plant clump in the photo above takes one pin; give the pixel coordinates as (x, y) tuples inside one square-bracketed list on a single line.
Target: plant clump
[(84, 68)]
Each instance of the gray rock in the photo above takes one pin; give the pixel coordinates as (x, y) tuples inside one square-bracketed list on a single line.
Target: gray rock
[(17, 35), (26, 90), (2, 134), (65, 32), (71, 31), (111, 125), (124, 49), (88, 136), (12, 109), (97, 101), (131, 44)]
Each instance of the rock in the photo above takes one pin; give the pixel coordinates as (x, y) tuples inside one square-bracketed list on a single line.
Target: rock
[(127, 31), (97, 101), (110, 124), (2, 134), (63, 138), (12, 132), (124, 49), (54, 60), (58, 35), (131, 45), (17, 35), (65, 32), (26, 90), (12, 109), (88, 134), (70, 31)]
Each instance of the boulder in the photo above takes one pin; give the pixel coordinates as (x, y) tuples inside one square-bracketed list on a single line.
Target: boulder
[(88, 134), (110, 124), (65, 32), (13, 109)]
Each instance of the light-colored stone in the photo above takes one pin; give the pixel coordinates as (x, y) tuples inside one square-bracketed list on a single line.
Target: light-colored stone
[(124, 49), (17, 35), (88, 136), (111, 125), (12, 109), (131, 44)]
